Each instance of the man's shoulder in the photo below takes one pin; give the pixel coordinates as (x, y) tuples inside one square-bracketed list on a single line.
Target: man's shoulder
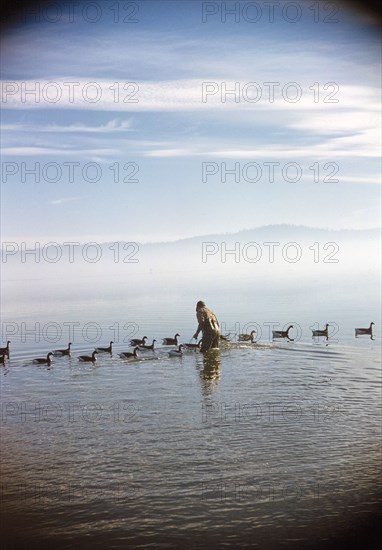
[(209, 311)]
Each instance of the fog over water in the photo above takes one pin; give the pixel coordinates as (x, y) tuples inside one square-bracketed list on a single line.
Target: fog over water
[(117, 216)]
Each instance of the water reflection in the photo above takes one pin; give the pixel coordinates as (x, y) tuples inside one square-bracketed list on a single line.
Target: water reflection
[(209, 364), (4, 369)]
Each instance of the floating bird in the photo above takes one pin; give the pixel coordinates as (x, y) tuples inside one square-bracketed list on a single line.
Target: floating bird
[(60, 352), (360, 331), (247, 337), (176, 352), (282, 333), (5, 351), (88, 358), (323, 332), (46, 361), (129, 354), (171, 341), (105, 350), (193, 347), (149, 348), (138, 341), (225, 337)]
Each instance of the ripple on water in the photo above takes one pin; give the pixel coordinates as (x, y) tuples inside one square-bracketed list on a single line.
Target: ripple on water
[(273, 439)]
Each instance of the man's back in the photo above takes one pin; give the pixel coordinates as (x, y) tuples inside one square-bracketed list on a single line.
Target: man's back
[(208, 318)]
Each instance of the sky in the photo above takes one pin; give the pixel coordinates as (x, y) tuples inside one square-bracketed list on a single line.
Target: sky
[(167, 120)]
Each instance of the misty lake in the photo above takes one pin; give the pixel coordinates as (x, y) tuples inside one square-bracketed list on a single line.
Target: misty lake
[(158, 153), (267, 445)]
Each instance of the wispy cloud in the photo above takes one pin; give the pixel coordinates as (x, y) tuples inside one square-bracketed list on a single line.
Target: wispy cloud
[(340, 122), (361, 144), (63, 200), (348, 128), (169, 131), (42, 151), (185, 152), (112, 126), (180, 95)]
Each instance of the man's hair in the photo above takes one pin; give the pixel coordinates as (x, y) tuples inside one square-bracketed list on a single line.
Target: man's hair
[(200, 304)]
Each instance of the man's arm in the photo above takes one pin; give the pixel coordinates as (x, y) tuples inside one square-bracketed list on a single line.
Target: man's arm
[(199, 316)]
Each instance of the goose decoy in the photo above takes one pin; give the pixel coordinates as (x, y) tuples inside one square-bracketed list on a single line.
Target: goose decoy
[(360, 331), (247, 337), (323, 332), (138, 341), (129, 354), (282, 333), (149, 348), (88, 358), (41, 361), (5, 351), (171, 341), (60, 352), (105, 350), (2, 359), (176, 352)]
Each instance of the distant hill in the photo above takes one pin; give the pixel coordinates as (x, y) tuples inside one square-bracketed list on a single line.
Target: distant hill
[(326, 255), (281, 231)]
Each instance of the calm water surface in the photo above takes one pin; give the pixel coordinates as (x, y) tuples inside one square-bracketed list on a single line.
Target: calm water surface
[(273, 445)]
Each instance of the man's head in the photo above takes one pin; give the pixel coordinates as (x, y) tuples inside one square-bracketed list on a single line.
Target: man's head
[(199, 305)]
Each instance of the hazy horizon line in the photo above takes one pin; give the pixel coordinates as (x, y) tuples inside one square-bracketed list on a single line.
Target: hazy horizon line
[(187, 238)]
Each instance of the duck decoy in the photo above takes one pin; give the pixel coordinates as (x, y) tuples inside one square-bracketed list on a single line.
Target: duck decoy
[(88, 358), (247, 337), (361, 331), (282, 333), (5, 351), (130, 354), (138, 341), (176, 352), (105, 350), (171, 341), (60, 352), (41, 361), (148, 348), (323, 332)]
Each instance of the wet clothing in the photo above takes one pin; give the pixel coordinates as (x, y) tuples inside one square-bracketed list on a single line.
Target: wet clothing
[(209, 325)]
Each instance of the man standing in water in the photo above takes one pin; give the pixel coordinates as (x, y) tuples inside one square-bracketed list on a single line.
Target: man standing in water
[(208, 325)]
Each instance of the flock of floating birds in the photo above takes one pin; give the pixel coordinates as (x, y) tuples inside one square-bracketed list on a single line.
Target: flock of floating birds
[(139, 345)]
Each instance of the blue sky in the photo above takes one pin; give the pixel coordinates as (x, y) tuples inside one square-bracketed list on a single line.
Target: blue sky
[(170, 132)]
